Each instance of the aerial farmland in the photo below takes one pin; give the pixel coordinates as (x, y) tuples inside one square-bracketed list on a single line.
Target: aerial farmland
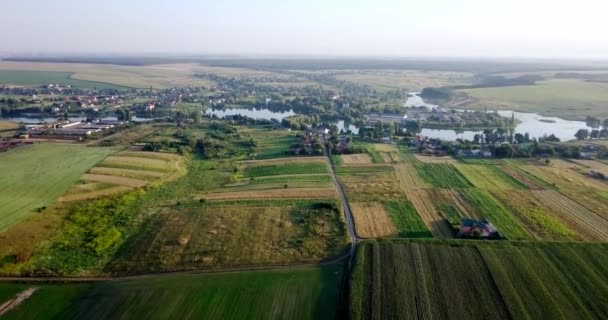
[(207, 198)]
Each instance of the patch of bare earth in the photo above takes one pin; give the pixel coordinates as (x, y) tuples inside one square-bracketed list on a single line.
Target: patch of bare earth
[(355, 159)]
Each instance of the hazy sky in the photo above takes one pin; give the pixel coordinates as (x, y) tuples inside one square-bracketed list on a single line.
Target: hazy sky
[(520, 28)]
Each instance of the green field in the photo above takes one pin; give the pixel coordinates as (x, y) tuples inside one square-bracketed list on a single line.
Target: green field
[(47, 302), (270, 143), (442, 176), (488, 177), (35, 176), (406, 220), (34, 78), (569, 99), (302, 293), (479, 280), (286, 168)]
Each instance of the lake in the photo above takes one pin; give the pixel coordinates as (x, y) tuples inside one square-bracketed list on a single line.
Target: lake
[(268, 114), (536, 125)]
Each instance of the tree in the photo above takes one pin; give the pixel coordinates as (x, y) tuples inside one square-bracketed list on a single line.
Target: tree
[(582, 134), (592, 122), (604, 133), (594, 134), (552, 138), (605, 124), (197, 116), (504, 151)]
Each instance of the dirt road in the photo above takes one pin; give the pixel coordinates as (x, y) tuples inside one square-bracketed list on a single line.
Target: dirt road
[(354, 239)]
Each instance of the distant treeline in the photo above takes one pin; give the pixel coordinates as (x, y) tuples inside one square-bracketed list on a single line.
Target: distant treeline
[(125, 61), (479, 66)]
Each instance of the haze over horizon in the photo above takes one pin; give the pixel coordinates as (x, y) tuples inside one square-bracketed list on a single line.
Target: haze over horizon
[(435, 28)]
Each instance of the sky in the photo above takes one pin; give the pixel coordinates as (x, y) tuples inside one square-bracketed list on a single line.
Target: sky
[(422, 28)]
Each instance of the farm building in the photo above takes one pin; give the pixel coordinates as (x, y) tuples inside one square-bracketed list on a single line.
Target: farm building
[(483, 229)]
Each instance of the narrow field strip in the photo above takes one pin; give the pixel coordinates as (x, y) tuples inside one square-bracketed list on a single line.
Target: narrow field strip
[(283, 161), (129, 173), (121, 181), (138, 162), (429, 214), (408, 177), (295, 193), (94, 194), (528, 180)]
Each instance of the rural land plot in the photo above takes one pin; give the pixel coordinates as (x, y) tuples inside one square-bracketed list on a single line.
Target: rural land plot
[(388, 152), (406, 219), (125, 171), (452, 206), (217, 234), (394, 280), (362, 186), (592, 200), (408, 177), (300, 293), (537, 218), (356, 159), (434, 221), (530, 181), (488, 177), (442, 176), (29, 183), (436, 160), (270, 144), (281, 178), (491, 209), (588, 224), (478, 280), (564, 176), (372, 220)]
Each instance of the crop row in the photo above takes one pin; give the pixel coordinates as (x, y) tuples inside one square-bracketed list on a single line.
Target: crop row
[(479, 280)]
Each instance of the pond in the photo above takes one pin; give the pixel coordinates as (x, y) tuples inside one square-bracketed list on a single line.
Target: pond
[(251, 113), (268, 114)]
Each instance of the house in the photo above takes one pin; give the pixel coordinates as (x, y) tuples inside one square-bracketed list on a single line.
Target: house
[(483, 229)]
